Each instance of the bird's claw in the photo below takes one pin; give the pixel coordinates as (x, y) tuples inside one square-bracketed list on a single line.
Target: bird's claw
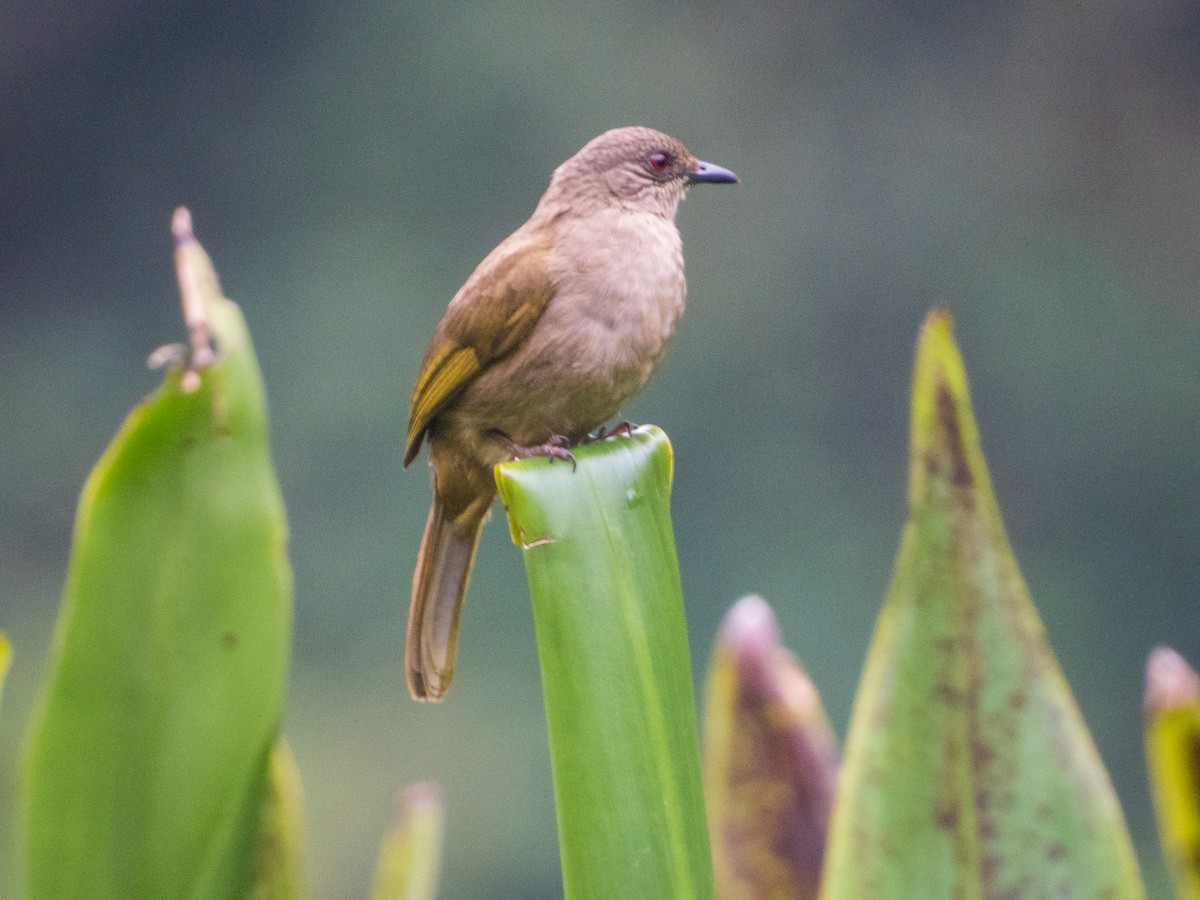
[(622, 429), (554, 448)]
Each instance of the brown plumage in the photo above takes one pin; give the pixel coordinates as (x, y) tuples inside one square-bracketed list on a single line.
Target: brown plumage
[(558, 326)]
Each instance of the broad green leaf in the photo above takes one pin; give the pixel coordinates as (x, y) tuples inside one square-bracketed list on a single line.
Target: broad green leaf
[(145, 768), (279, 864), (770, 762), (969, 772), (1173, 761), (616, 673), (410, 855)]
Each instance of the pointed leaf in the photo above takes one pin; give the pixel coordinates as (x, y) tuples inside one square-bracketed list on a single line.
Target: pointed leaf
[(968, 769), (145, 766), (279, 868), (770, 762), (410, 856), (616, 672), (5, 659), (1173, 760)]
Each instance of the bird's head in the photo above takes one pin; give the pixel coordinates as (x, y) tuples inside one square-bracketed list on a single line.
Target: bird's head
[(637, 168)]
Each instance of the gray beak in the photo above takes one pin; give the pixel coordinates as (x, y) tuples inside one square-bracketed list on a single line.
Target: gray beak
[(710, 173)]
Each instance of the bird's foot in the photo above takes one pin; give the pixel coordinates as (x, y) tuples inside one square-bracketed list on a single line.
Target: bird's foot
[(623, 428), (554, 448)]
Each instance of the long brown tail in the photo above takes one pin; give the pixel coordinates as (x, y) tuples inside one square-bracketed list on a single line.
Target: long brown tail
[(439, 587)]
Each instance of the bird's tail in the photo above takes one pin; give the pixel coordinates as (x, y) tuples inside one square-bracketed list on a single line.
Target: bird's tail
[(439, 587)]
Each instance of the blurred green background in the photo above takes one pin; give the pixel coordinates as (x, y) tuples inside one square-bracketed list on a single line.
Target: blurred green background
[(1035, 167)]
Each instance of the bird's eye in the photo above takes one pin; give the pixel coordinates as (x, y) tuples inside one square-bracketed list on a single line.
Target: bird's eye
[(658, 160)]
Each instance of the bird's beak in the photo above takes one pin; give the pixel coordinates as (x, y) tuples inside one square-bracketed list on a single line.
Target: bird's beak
[(709, 173)]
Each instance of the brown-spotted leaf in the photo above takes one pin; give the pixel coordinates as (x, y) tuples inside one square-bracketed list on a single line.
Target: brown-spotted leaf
[(969, 772)]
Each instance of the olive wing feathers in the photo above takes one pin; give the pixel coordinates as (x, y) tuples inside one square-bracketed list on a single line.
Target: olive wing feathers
[(493, 313)]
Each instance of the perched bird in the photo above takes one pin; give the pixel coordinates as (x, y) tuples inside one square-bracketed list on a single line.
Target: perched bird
[(558, 326)]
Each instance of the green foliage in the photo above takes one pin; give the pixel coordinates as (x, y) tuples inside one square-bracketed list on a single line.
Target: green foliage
[(969, 771), (145, 767), (607, 604), (153, 766), (1037, 160)]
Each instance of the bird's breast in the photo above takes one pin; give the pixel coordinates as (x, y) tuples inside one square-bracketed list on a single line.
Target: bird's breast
[(621, 288)]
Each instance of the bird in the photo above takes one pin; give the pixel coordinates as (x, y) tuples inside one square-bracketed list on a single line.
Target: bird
[(557, 327)]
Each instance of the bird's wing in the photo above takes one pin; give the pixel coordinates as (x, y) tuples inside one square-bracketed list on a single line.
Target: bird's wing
[(489, 318)]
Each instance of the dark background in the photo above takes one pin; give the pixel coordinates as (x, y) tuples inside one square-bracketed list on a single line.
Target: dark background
[(1035, 168)]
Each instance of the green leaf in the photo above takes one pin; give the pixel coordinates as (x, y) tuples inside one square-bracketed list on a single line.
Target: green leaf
[(969, 772), (279, 866), (616, 673), (145, 767), (1173, 761), (770, 762), (410, 855)]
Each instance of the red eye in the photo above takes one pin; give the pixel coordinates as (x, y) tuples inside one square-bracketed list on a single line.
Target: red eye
[(658, 160)]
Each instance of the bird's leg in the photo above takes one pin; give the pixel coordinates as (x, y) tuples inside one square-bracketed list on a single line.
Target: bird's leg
[(554, 448)]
